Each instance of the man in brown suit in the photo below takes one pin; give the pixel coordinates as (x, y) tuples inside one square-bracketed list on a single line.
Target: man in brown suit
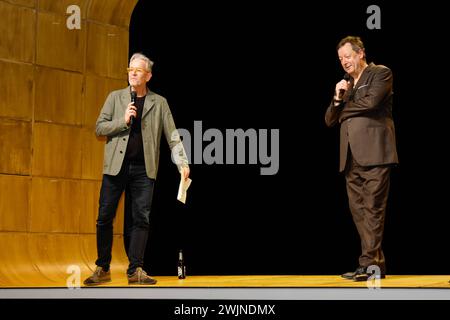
[(362, 105)]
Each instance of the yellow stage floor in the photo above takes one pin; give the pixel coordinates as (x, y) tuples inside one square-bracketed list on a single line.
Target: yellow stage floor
[(250, 281)]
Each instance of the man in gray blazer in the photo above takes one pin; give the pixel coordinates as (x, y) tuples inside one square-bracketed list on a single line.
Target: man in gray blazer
[(362, 105), (133, 132)]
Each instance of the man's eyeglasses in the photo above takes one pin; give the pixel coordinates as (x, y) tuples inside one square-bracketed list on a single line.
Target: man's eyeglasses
[(137, 70)]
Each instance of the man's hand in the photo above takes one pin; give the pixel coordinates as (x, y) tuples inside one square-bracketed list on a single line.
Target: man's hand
[(185, 172), (341, 85), (131, 111)]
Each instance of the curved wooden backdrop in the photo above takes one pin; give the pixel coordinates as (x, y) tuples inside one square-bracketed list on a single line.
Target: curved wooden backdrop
[(53, 83)]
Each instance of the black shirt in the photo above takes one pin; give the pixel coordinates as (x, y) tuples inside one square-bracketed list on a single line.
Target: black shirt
[(135, 148)]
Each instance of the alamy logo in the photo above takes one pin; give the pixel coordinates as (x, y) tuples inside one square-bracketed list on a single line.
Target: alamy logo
[(235, 146), (74, 20), (374, 20), (73, 281)]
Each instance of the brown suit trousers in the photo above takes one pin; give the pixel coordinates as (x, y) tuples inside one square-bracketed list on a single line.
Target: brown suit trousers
[(367, 190)]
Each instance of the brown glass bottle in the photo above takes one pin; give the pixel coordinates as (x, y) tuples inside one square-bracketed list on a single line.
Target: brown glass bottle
[(181, 266)]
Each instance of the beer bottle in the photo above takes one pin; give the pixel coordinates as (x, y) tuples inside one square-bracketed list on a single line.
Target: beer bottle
[(181, 266)]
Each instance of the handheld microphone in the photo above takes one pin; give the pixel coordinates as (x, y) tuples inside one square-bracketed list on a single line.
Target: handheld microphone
[(133, 100), (342, 91)]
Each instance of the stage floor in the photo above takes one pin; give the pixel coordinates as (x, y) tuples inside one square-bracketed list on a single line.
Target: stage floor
[(243, 287), (316, 281), (249, 281)]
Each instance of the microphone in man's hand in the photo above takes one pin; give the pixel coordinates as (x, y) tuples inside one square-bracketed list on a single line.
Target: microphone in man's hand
[(342, 91), (133, 100)]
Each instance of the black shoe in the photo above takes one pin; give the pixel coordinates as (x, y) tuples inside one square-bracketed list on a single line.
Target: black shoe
[(362, 275), (351, 275)]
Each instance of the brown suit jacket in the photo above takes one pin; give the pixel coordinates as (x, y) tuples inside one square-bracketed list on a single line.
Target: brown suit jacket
[(366, 120)]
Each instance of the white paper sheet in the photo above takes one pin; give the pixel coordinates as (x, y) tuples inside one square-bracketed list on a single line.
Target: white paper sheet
[(182, 189)]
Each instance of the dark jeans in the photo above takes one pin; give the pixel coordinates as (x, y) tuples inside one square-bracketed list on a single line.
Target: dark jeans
[(135, 179)]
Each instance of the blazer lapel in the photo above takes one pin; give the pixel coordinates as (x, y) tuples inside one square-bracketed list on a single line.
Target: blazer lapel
[(125, 98), (149, 102), (362, 80)]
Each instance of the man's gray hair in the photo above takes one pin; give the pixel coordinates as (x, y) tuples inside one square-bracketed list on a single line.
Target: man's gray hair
[(141, 56)]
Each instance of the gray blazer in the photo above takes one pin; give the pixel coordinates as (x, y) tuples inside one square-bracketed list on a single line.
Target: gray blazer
[(366, 119), (156, 119)]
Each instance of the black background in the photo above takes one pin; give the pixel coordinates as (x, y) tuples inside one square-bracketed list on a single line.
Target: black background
[(273, 65)]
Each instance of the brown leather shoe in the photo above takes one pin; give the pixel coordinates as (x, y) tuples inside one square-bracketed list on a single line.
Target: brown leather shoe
[(140, 277), (98, 277)]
